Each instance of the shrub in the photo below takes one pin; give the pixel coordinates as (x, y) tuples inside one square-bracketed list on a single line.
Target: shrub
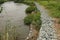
[(37, 20), (28, 20), (37, 24), (36, 16), (31, 9), (32, 17)]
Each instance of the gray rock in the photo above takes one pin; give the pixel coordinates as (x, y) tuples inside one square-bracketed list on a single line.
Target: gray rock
[(46, 32)]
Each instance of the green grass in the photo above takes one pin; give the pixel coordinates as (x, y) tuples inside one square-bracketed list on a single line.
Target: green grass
[(53, 7), (43, 3)]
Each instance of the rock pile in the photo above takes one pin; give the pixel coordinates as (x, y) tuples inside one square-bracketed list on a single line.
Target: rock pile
[(47, 31)]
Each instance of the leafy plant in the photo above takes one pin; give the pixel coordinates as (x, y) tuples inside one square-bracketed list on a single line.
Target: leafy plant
[(33, 17), (31, 9), (37, 21), (28, 20)]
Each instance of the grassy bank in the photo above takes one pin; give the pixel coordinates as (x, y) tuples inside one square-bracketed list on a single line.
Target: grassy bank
[(53, 7)]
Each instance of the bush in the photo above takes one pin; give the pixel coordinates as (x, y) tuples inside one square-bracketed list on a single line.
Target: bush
[(36, 16), (37, 24), (28, 20), (31, 9), (33, 17), (37, 20)]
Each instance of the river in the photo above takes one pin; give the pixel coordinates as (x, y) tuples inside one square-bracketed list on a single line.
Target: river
[(13, 14)]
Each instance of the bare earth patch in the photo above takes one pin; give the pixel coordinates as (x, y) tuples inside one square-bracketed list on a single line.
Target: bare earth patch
[(34, 33), (57, 27)]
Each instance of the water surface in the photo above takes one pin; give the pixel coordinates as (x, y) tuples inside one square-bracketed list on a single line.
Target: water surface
[(13, 14)]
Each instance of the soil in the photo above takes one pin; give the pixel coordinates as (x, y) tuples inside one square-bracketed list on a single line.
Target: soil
[(34, 34), (57, 27)]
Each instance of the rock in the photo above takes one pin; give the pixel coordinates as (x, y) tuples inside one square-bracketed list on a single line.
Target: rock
[(47, 32)]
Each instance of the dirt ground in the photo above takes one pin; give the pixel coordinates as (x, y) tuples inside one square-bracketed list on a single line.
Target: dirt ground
[(57, 27), (34, 33)]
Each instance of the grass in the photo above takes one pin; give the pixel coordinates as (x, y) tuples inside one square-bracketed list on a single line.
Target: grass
[(53, 7)]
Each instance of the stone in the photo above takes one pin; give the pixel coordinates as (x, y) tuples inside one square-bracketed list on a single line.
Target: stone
[(47, 32)]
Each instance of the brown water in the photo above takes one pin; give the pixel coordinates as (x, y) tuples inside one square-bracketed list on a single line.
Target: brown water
[(13, 14)]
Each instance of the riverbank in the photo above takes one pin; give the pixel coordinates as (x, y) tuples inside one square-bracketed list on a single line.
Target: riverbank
[(54, 12), (47, 31)]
